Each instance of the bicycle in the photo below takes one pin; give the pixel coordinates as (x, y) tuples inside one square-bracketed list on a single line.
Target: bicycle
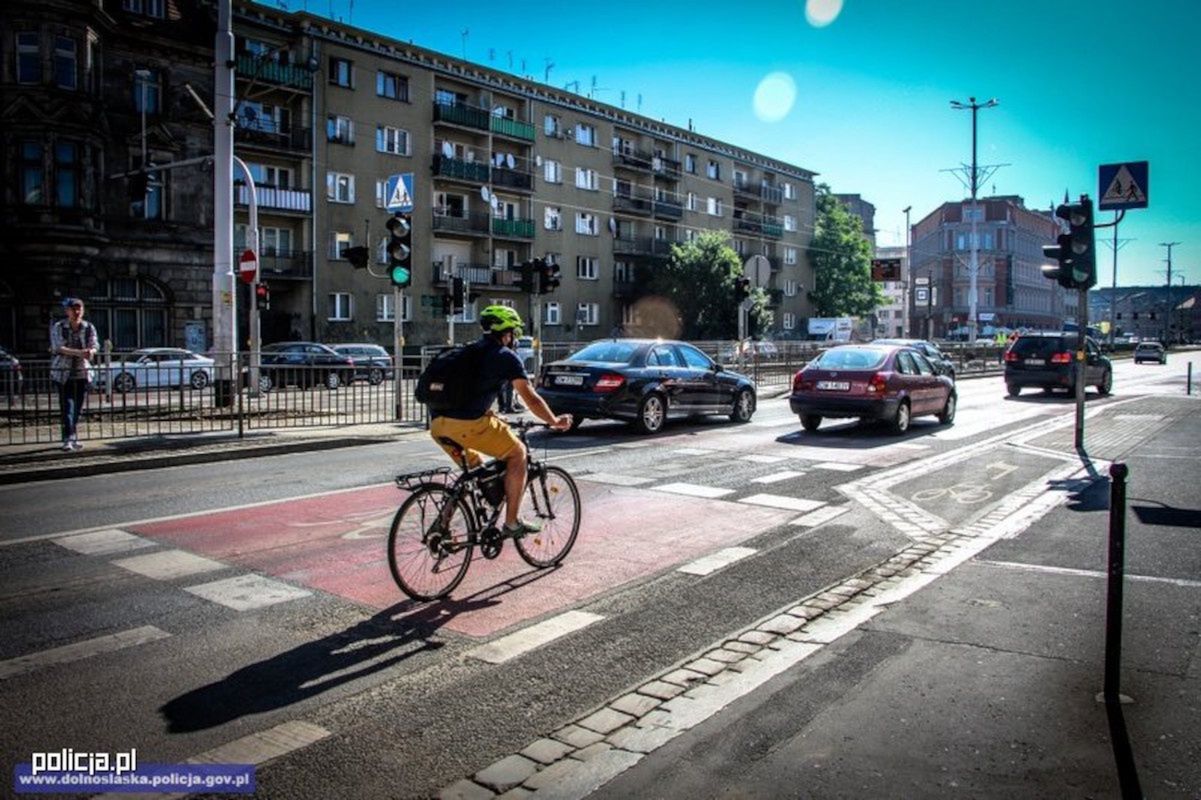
[(439, 526)]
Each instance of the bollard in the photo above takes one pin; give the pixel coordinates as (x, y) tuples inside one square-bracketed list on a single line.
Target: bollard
[(1189, 385), (1113, 605)]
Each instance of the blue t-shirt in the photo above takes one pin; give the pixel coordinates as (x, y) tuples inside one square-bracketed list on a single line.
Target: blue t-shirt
[(497, 365)]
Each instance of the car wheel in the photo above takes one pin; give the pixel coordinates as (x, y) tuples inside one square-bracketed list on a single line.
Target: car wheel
[(947, 416), (1013, 389), (744, 406), (652, 413), (124, 382), (1106, 384), (900, 423), (810, 422), (200, 379), (265, 382), (375, 376), (332, 380)]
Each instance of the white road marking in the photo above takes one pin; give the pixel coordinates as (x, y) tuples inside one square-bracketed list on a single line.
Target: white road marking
[(169, 564), (764, 459), (1138, 417), (691, 451), (633, 445), (838, 466), (820, 517), (693, 490), (520, 642), (776, 477), (616, 480), (715, 561), (1086, 573), (80, 650), (246, 592), (101, 543), (780, 501)]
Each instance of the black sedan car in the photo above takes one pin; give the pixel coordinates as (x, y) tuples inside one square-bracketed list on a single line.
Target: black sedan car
[(303, 364), (645, 382), (941, 362)]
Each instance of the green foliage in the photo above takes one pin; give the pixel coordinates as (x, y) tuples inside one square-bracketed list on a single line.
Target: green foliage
[(698, 279), (842, 262)]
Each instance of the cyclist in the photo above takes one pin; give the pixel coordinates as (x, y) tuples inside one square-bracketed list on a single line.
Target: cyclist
[(479, 430)]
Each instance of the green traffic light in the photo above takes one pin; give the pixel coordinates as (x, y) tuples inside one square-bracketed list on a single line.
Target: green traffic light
[(401, 276)]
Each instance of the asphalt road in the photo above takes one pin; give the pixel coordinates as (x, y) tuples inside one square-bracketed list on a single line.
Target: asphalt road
[(115, 638)]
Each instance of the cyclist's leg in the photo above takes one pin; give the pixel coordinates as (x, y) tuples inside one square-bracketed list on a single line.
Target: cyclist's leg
[(492, 436), (458, 430)]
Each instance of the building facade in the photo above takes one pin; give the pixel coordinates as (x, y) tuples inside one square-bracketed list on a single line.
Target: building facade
[(891, 317), (865, 211), (1152, 313), (1011, 290)]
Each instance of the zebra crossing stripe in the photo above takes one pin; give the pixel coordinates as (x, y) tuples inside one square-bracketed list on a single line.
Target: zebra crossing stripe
[(246, 592), (715, 561), (693, 490), (101, 543), (760, 459), (780, 501), (776, 477), (837, 466), (78, 651), (820, 516), (615, 480), (520, 642), (169, 564)]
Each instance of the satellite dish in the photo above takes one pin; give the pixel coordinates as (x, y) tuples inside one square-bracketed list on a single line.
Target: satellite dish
[(538, 160), (510, 161), (495, 203), (448, 150), (612, 226), (485, 194), (470, 156)]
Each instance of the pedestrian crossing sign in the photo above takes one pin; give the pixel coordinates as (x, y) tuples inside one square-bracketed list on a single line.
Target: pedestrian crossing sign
[(1124, 186), (398, 193)]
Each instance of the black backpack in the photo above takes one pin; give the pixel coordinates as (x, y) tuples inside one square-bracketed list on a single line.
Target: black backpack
[(449, 381)]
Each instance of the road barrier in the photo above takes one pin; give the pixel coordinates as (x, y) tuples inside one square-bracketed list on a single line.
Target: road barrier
[(1111, 694)]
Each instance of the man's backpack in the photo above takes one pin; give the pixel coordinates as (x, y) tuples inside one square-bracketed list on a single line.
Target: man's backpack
[(449, 381)]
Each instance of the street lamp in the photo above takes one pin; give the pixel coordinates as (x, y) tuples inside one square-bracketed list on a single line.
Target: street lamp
[(975, 185), (907, 277), (143, 76)]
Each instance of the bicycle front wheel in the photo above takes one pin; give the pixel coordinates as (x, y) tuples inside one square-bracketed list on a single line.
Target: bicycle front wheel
[(429, 546), (553, 499)]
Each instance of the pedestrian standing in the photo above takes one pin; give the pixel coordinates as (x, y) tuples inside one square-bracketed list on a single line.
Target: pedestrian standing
[(73, 342)]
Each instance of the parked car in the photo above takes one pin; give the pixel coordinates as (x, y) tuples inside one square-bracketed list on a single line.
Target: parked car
[(525, 351), (937, 358), (303, 364), (645, 382), (1044, 360), (749, 351), (1150, 351), (885, 382), (154, 367), (371, 362), (11, 379)]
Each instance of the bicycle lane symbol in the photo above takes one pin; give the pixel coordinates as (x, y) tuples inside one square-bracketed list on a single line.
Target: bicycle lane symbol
[(964, 493)]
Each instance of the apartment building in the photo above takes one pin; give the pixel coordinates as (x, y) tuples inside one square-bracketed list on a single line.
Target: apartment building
[(891, 319), (1011, 289)]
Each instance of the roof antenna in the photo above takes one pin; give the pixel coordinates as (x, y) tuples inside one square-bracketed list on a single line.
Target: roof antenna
[(549, 66)]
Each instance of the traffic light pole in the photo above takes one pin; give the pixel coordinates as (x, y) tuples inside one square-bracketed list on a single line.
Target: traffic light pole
[(398, 343), (252, 244), (224, 336), (1081, 362)]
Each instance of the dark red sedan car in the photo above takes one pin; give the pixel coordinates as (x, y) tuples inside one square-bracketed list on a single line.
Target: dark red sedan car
[(878, 382)]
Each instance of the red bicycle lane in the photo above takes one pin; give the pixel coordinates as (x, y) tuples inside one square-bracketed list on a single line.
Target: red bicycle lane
[(336, 543)]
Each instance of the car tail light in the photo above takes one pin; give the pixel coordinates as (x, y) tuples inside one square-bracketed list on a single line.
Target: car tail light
[(609, 382), (801, 384), (1061, 358), (1011, 357), (877, 384)]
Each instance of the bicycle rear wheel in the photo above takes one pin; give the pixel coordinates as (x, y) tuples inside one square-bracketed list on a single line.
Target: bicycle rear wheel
[(553, 499), (428, 550)]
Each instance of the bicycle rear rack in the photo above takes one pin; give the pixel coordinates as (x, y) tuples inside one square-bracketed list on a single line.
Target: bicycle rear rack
[(412, 480)]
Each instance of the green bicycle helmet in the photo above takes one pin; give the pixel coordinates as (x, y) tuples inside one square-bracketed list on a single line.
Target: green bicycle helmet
[(498, 319)]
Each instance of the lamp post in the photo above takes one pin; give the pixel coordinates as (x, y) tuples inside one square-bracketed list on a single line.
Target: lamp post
[(973, 269), (907, 276), (1167, 316)]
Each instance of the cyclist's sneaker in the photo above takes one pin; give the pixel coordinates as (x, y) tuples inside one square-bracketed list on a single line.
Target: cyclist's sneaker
[(521, 528)]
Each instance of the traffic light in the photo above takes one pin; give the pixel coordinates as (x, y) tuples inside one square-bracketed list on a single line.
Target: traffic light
[(400, 249), (262, 296), (549, 276), (357, 256), (525, 279), (446, 305), (1061, 254), (458, 295), (742, 288), (1074, 253)]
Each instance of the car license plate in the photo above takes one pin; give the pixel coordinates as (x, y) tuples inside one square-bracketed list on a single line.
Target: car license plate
[(834, 386), (569, 380), (1038, 362)]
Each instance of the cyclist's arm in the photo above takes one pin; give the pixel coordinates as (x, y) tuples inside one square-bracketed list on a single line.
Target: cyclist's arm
[(535, 403)]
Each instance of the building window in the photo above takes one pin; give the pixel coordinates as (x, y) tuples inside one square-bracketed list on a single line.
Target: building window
[(552, 171), (339, 187), (789, 222), (275, 242), (275, 177), (553, 218), (970, 214), (33, 173), (586, 179), (790, 288), (585, 268), (130, 312), (714, 206), (339, 130), (587, 314), (381, 188), (789, 321), (391, 140), (690, 163), (341, 72), (340, 307), (585, 135), (789, 191), (66, 174), (392, 86), (151, 205), (150, 88), (29, 58), (550, 126), (713, 171), (552, 314), (585, 224), (339, 241), (385, 308), (155, 8), (66, 75), (690, 235), (789, 255)]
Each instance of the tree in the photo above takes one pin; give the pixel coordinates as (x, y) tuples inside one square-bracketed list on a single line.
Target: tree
[(842, 262), (698, 279)]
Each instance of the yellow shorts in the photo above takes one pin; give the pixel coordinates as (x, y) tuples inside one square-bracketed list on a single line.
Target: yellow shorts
[(488, 435)]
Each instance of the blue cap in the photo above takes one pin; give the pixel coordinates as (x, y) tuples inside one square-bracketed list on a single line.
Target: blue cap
[(71, 301)]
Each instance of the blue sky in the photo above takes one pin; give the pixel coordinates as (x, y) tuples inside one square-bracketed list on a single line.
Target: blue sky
[(1079, 84)]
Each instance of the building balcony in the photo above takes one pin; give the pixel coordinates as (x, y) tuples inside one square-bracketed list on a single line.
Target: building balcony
[(513, 228), (514, 129), (465, 116), (296, 140), (513, 179), (763, 192), (631, 245), (661, 248), (286, 266), (633, 159), (668, 168), (747, 225), (460, 169), (669, 209), (478, 275), (627, 290), (269, 197), (771, 194), (261, 70), (772, 228), (631, 203), (447, 221), (746, 190)]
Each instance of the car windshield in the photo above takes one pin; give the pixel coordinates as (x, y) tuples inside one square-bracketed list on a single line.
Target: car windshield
[(852, 358), (608, 352)]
